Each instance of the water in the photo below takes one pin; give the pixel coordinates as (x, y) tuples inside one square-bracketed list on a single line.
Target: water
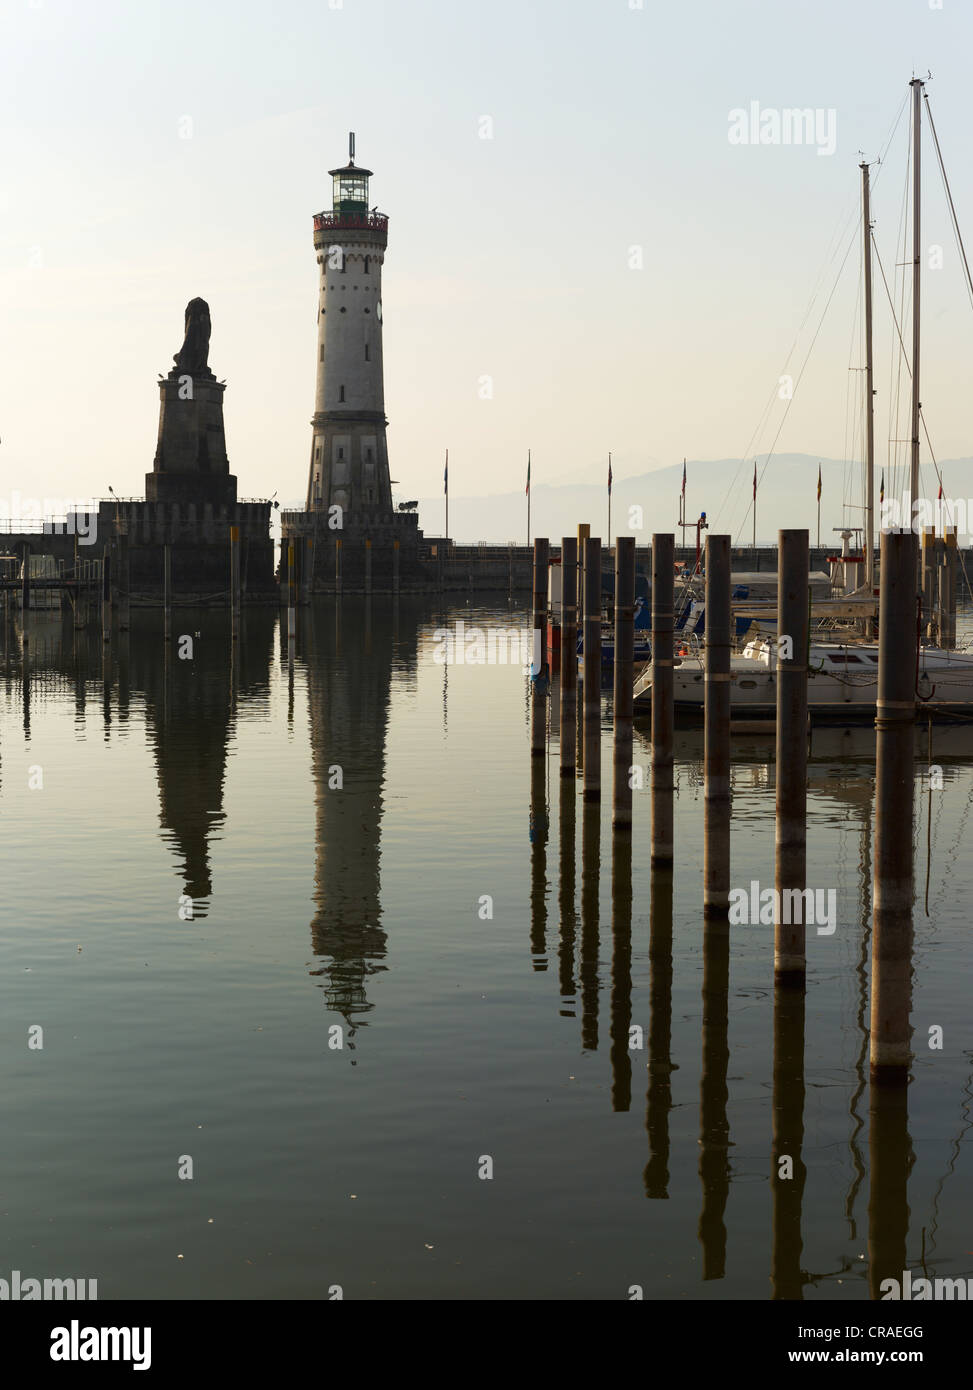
[(357, 914)]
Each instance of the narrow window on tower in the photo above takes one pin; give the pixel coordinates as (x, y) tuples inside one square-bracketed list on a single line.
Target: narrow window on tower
[(341, 453), (321, 358), (341, 393), (367, 259), (366, 353)]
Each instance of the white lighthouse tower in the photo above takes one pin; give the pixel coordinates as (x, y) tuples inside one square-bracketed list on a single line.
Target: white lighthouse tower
[(349, 453)]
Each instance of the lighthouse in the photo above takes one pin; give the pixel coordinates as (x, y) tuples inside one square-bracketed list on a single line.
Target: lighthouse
[(349, 471)]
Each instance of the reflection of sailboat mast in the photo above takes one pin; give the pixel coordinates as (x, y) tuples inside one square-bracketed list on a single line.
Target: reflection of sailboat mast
[(950, 1166), (861, 1016)]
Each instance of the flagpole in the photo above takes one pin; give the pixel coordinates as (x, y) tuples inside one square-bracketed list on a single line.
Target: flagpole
[(528, 499), (819, 507), (446, 481), (755, 505), (609, 501)]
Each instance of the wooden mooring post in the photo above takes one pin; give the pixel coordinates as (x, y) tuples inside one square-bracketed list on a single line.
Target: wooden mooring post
[(663, 718), (890, 1034), (592, 669), (235, 581), (538, 707), (106, 594), (790, 856), (25, 597), (569, 655), (124, 578), (716, 731), (947, 590), (292, 585), (624, 682), (167, 593), (928, 579)]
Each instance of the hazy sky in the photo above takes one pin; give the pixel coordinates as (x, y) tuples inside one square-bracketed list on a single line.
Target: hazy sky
[(508, 257)]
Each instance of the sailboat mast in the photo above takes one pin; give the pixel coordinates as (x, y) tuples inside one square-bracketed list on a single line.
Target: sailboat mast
[(916, 85), (869, 393)]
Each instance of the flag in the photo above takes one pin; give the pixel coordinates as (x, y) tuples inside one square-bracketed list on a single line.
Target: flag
[(446, 474), (819, 482), (609, 475), (684, 477), (940, 498), (881, 490), (527, 490), (755, 480)]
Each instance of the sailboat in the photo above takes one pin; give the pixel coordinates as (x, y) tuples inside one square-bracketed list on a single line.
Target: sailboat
[(843, 676)]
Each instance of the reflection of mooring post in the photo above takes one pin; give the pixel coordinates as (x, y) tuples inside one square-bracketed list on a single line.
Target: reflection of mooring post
[(791, 831), (569, 654), (592, 669), (716, 734), (890, 1160), (235, 580), (624, 681), (589, 945), (337, 565), (788, 1174), (663, 582), (368, 565), (891, 986), (106, 592), (714, 1127), (25, 596), (621, 987), (566, 886), (538, 865), (658, 1100), (538, 707), (167, 593)]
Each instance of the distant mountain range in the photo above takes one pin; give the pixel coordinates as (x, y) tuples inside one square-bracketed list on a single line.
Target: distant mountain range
[(723, 488)]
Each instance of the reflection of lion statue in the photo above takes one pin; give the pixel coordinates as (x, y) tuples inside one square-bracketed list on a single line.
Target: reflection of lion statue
[(192, 356)]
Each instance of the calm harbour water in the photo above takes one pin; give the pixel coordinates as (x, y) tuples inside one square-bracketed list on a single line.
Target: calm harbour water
[(317, 907)]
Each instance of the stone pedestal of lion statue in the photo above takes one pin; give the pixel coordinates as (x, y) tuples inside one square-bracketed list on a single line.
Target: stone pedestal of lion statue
[(190, 459)]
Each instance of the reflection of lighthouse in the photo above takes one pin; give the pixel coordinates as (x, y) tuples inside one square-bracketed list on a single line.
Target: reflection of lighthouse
[(349, 677), (349, 455)]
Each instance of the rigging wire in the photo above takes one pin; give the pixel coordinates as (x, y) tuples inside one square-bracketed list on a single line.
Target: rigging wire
[(949, 198), (834, 245)]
